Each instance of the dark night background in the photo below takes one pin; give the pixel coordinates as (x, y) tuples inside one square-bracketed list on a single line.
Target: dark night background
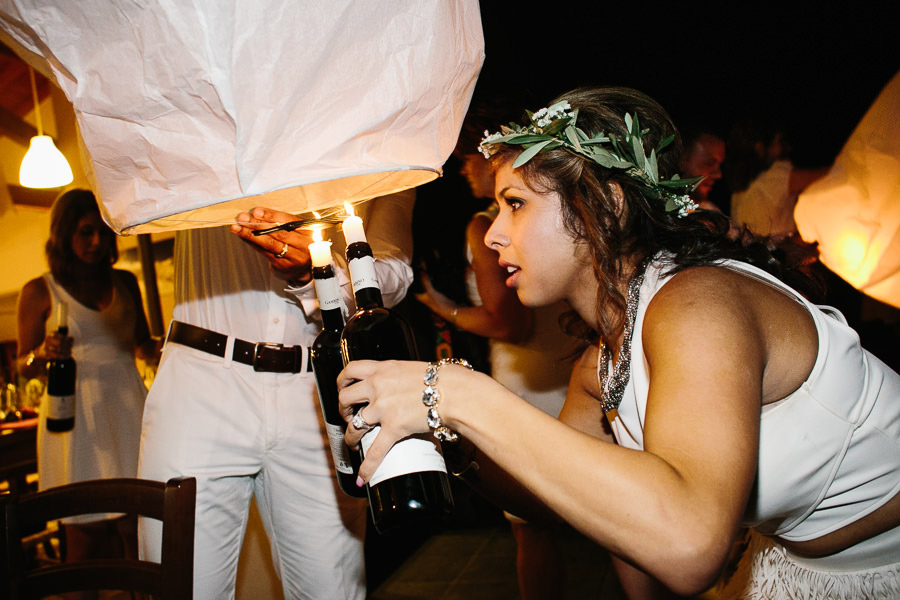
[(814, 68)]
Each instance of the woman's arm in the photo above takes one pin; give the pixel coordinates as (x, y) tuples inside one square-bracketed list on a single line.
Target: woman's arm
[(501, 316), (671, 509), (145, 347), (32, 312)]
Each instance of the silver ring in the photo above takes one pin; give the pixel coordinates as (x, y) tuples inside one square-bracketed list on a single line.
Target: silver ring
[(360, 422), (283, 251)]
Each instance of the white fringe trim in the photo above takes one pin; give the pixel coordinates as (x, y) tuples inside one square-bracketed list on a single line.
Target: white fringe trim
[(766, 573)]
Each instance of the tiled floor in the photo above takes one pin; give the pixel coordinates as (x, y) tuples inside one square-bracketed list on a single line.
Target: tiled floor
[(475, 559)]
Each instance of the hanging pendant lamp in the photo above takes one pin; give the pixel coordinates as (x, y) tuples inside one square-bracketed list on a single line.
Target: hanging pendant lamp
[(44, 166)]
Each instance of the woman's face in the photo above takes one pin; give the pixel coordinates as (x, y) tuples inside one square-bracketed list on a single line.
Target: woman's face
[(544, 262), (92, 239)]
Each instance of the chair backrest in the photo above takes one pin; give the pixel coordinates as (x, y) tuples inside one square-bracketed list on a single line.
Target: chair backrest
[(171, 502)]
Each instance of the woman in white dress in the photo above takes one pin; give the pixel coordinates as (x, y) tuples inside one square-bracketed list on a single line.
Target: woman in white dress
[(107, 328)]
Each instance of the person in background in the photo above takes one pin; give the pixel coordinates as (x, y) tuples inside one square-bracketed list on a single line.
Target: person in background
[(107, 328), (528, 349), (733, 400), (704, 153), (764, 183), (234, 403)]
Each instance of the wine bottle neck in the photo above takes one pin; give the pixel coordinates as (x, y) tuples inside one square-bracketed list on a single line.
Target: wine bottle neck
[(327, 291), (369, 298), (363, 277), (333, 319)]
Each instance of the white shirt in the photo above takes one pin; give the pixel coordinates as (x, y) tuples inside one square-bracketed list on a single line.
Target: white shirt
[(224, 284)]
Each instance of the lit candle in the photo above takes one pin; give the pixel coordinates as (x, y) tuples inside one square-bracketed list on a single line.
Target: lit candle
[(353, 226), (320, 250)]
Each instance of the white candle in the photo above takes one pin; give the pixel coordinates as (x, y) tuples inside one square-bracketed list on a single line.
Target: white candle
[(320, 251), (353, 227), (62, 315)]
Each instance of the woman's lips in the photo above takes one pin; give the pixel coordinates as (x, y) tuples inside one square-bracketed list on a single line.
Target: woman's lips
[(513, 272)]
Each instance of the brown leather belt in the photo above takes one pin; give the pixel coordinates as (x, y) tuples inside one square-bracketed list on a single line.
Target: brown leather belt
[(262, 356)]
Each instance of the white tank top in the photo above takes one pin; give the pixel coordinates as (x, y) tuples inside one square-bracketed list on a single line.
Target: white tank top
[(829, 453)]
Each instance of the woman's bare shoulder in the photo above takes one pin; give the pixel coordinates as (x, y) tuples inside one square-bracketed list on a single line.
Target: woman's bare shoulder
[(35, 290)]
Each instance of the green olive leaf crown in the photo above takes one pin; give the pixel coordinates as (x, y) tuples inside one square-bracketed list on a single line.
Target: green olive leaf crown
[(555, 127)]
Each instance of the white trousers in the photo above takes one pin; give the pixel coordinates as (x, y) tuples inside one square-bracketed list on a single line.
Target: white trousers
[(243, 433)]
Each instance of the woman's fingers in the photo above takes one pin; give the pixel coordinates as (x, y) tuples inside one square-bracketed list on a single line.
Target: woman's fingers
[(383, 442)]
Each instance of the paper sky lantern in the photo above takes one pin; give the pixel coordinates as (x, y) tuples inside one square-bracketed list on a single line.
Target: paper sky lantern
[(854, 212), (190, 112)]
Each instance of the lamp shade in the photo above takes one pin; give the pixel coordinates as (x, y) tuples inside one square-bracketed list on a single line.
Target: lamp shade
[(44, 166), (854, 212), (190, 112)]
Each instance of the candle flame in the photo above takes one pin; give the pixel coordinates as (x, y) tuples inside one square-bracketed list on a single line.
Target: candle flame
[(316, 215), (348, 208), (317, 235)]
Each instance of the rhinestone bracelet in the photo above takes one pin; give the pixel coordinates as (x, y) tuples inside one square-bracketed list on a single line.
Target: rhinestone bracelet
[(431, 397)]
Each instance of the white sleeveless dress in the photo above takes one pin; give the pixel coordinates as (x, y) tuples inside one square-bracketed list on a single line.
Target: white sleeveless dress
[(109, 394)]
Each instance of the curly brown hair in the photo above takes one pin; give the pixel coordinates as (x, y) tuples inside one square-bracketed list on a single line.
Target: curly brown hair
[(612, 213)]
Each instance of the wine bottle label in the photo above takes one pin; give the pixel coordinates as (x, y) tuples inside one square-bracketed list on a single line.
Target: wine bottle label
[(339, 449), (60, 407), (329, 293), (410, 455), (362, 273)]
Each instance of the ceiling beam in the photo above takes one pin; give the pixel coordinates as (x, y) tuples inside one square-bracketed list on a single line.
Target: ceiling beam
[(15, 128), (23, 196)]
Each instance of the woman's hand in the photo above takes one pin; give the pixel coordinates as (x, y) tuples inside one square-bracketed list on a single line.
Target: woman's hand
[(389, 394), (54, 347), (286, 251)]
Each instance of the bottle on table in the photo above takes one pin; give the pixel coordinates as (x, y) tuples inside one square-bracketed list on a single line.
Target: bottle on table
[(327, 363), (60, 401), (411, 486)]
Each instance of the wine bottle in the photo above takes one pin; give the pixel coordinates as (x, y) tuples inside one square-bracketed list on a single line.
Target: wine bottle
[(410, 487), (327, 363), (60, 401)]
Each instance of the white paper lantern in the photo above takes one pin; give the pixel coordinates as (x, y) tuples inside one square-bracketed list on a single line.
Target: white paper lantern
[(854, 212), (193, 111)]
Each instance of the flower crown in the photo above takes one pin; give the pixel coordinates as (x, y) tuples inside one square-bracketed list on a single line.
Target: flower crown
[(554, 127)]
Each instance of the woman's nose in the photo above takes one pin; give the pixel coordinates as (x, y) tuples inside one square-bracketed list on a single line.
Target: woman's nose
[(494, 238)]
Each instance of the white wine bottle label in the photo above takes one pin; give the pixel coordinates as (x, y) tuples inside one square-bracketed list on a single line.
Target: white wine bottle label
[(410, 455), (339, 449), (328, 292), (60, 407), (362, 273)]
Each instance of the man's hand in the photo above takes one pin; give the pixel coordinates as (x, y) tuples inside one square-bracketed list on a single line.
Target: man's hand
[(286, 251)]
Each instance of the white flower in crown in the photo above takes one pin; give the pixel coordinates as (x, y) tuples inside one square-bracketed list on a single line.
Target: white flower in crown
[(546, 116), (685, 205), (489, 139)]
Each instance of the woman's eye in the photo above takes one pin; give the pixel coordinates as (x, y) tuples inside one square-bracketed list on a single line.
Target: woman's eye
[(514, 204)]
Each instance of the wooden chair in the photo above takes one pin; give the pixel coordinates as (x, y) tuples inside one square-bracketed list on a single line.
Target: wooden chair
[(171, 502), (18, 462)]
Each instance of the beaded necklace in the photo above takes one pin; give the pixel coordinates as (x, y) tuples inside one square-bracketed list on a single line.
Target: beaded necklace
[(613, 387)]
